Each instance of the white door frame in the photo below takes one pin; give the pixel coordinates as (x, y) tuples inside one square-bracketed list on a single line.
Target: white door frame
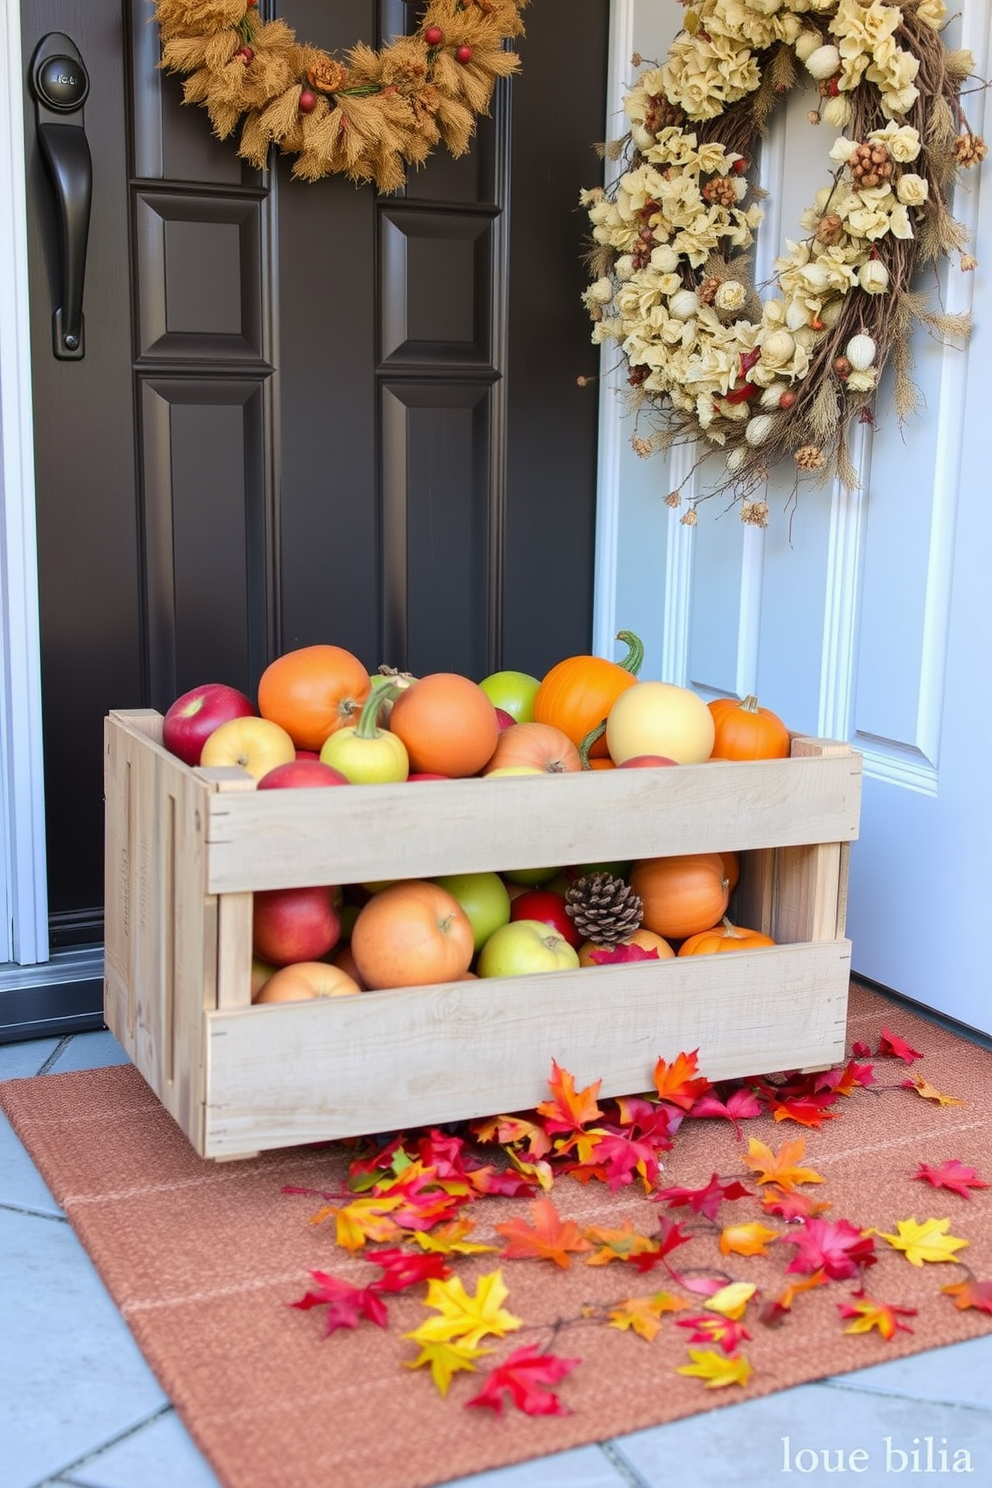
[(23, 880)]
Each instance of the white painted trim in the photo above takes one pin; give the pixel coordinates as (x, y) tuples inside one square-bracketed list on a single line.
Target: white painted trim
[(678, 570), (845, 553), (21, 777), (749, 626), (604, 610)]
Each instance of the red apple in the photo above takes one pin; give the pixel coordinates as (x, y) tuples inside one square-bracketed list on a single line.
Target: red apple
[(193, 717), (307, 754), (549, 908), (645, 762), (427, 775), (504, 719), (302, 772), (294, 924)]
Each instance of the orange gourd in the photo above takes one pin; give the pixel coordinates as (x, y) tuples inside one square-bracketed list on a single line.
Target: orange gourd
[(681, 895), (447, 723), (313, 691), (724, 937), (535, 744), (746, 732), (578, 693)]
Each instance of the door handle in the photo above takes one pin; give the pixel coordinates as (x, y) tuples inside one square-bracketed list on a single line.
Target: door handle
[(59, 83)]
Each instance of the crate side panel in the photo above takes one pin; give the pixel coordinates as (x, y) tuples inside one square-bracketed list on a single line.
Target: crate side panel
[(303, 1072), (279, 839)]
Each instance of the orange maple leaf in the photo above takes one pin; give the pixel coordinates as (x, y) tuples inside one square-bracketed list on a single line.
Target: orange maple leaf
[(971, 1293), (746, 1239), (774, 1311), (619, 1244), (680, 1083), (643, 1314), (924, 1088), (868, 1313), (570, 1110), (781, 1168), (549, 1238)]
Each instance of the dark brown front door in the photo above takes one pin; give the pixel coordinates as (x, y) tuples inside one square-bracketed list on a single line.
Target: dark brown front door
[(304, 413)]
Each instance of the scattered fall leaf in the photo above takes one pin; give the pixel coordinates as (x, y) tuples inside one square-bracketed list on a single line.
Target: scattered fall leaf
[(621, 1244), (705, 1200), (362, 1220), (346, 1304), (522, 1377), (971, 1293), (463, 1316), (549, 1238), (727, 1332), (773, 1312), (782, 1167), (402, 1269), (609, 955), (642, 1315), (807, 1110), (869, 1313), (792, 1205), (450, 1239), (926, 1242), (571, 1109), (717, 1370), (835, 1245), (731, 1300), (890, 1043), (924, 1088), (739, 1106), (746, 1239), (953, 1175), (847, 1079), (446, 1359), (680, 1083)]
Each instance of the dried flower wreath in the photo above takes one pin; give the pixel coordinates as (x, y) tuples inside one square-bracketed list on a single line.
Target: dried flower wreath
[(707, 359), (366, 117)]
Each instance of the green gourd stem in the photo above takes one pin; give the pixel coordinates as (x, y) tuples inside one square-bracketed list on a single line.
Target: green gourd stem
[(588, 742), (635, 651), (367, 726)]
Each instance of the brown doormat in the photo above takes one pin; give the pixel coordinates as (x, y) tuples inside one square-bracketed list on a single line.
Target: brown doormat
[(203, 1260)]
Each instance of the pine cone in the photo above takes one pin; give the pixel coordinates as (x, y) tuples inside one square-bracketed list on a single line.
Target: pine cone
[(603, 908)]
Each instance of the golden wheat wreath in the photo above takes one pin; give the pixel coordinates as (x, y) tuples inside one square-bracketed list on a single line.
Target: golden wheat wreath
[(367, 117), (708, 360)]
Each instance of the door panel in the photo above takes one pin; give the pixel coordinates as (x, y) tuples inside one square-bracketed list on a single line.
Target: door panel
[(305, 413)]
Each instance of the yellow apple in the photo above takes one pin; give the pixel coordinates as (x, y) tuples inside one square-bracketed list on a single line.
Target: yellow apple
[(514, 770), (256, 744)]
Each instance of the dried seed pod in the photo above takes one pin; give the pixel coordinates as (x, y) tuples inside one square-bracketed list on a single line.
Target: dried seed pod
[(860, 352)]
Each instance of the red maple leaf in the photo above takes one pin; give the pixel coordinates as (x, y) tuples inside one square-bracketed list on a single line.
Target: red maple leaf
[(739, 1106), (652, 1120), (403, 1268), (571, 1110), (704, 1200), (727, 1332), (971, 1293), (521, 1377), (808, 1110), (345, 1303), (834, 1245), (617, 1156), (680, 1083), (608, 955), (845, 1081), (952, 1175), (860, 1049), (890, 1043)]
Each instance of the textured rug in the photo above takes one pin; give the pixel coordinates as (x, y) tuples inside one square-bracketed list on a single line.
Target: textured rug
[(203, 1261)]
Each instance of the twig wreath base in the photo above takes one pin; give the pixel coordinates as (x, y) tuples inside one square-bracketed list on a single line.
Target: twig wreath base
[(367, 117), (708, 361)]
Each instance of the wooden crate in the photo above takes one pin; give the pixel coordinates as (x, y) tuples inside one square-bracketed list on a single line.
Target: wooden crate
[(186, 849)]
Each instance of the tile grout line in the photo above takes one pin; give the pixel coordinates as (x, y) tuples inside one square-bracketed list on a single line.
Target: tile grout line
[(7, 1208), (62, 1475), (56, 1054), (619, 1463), (837, 1384)]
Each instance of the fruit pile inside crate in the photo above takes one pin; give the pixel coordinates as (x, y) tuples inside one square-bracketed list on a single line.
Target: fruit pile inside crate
[(363, 902)]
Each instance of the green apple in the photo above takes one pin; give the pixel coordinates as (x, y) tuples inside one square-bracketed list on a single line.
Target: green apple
[(514, 692), (484, 899), (534, 878), (523, 947)]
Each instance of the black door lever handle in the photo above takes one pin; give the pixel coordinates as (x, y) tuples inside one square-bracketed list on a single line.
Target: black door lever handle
[(60, 84)]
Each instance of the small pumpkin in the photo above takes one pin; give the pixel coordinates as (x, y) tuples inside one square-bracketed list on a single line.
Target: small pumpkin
[(681, 895), (724, 937), (578, 693), (540, 746), (744, 731)]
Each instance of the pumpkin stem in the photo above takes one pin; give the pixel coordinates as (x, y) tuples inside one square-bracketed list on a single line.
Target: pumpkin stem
[(732, 931), (635, 651), (750, 704), (367, 726), (589, 741)]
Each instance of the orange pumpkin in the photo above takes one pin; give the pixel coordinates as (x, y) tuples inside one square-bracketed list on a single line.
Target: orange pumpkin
[(304, 981), (681, 895), (732, 866), (538, 745), (412, 934), (746, 732), (724, 937), (312, 692), (578, 693), (447, 723), (646, 939)]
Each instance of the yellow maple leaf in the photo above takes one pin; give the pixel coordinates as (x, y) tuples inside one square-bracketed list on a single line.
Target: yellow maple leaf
[(464, 1317), (618, 1244), (781, 1167), (445, 1359), (644, 1314), (717, 1369), (449, 1239), (362, 1220), (731, 1300), (924, 1088), (924, 1242), (746, 1239), (538, 1169)]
